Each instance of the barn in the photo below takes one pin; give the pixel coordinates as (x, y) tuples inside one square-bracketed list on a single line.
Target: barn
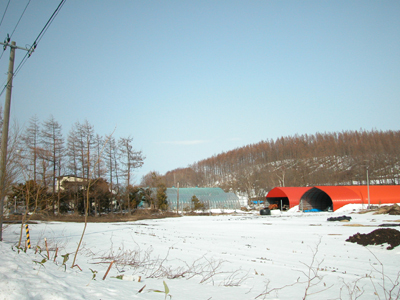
[(332, 197)]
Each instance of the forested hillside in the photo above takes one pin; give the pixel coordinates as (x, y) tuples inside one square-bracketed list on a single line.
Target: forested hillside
[(322, 159)]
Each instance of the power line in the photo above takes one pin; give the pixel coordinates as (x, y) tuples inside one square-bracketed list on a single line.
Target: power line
[(36, 41), (55, 13), (19, 20), (5, 12), (1, 22)]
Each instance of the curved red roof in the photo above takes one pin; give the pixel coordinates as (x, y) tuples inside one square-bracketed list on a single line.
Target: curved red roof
[(378, 194), (340, 195), (343, 195), (292, 193)]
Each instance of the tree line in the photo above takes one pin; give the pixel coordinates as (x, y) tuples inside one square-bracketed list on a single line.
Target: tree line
[(339, 158), (39, 156)]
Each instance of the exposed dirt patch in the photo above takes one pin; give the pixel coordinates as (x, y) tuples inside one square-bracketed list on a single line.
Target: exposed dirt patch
[(391, 210), (358, 225), (390, 225), (377, 237)]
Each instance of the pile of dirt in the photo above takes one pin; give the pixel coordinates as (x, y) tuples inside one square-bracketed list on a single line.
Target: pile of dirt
[(340, 219), (377, 237), (391, 210)]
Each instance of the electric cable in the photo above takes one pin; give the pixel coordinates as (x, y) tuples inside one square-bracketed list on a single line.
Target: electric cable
[(2, 22), (39, 37), (5, 12), (19, 20), (35, 43)]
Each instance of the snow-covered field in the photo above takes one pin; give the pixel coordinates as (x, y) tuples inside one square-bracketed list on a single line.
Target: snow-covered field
[(236, 256)]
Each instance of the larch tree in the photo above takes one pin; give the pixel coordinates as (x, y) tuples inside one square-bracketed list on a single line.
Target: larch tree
[(87, 136), (53, 145), (14, 161), (80, 152), (130, 160), (72, 164), (99, 145), (31, 141), (110, 154)]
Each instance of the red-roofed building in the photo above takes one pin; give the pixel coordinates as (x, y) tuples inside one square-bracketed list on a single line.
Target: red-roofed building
[(333, 197)]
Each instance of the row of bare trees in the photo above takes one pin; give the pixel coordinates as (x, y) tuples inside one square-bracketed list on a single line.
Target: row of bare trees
[(41, 155), (340, 158)]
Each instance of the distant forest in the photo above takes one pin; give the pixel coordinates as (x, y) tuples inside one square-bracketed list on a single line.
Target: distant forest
[(343, 158)]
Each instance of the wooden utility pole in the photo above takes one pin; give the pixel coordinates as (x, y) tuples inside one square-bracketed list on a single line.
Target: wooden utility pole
[(177, 199), (4, 136), (6, 122)]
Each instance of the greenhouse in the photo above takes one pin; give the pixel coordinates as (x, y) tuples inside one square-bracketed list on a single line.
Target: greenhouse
[(211, 197), (333, 197)]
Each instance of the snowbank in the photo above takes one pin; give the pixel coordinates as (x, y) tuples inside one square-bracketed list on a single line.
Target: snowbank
[(239, 256)]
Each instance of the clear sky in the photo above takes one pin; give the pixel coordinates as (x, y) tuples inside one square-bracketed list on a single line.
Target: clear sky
[(191, 79)]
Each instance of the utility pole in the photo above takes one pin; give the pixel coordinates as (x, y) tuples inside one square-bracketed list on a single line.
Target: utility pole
[(177, 199), (6, 121), (369, 201)]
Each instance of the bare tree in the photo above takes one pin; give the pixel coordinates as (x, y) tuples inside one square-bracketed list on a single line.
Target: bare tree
[(301, 160), (53, 144), (87, 129), (81, 142), (98, 147), (31, 141), (110, 155), (12, 168), (72, 153), (88, 157), (130, 160)]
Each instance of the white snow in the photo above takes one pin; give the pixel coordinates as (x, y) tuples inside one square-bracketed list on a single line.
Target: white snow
[(235, 256)]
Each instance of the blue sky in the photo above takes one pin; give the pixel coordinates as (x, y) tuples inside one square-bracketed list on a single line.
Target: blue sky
[(191, 79)]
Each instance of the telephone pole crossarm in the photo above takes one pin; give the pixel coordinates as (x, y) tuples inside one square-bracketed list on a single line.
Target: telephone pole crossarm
[(15, 46), (30, 50)]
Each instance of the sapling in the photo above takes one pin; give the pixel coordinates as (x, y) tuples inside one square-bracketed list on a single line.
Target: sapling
[(312, 278), (87, 195), (94, 272), (65, 259), (41, 263), (166, 291), (389, 286)]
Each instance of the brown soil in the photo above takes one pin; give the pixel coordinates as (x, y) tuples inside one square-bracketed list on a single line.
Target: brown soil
[(138, 215), (377, 237), (391, 210)]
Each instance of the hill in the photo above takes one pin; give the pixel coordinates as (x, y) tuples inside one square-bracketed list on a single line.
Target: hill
[(342, 158)]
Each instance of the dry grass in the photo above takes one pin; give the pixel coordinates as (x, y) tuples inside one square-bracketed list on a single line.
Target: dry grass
[(142, 214), (194, 213)]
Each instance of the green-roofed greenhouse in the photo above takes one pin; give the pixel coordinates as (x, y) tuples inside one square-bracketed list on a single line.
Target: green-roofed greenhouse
[(211, 197)]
